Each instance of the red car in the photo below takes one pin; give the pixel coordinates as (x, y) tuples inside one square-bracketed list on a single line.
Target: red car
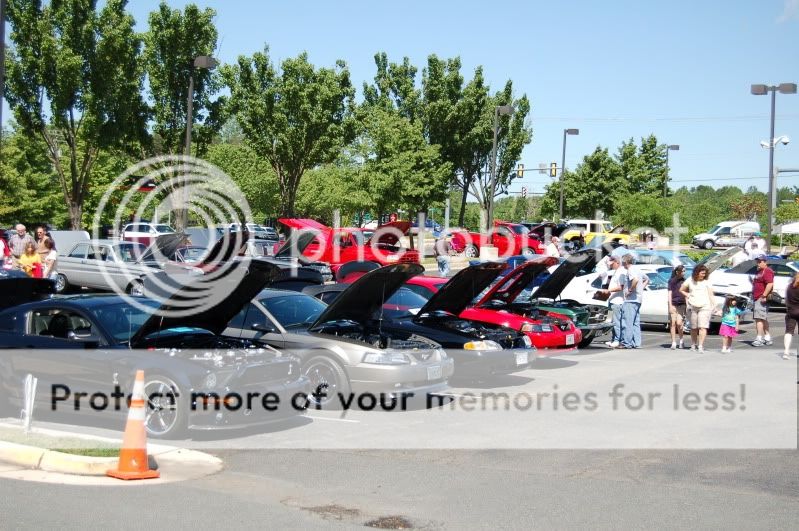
[(551, 333), (510, 239), (339, 246)]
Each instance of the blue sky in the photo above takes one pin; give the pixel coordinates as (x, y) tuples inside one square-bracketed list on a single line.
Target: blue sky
[(614, 69)]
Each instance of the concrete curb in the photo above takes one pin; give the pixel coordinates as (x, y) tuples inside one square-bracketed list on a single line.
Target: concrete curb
[(36, 458)]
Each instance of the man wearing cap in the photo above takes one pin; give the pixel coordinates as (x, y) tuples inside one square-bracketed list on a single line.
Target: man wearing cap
[(615, 298), (762, 285), (755, 246)]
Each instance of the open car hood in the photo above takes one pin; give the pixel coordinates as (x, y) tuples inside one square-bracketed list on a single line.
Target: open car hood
[(367, 294), (164, 246), (228, 246), (294, 246), (560, 278), (509, 288), (234, 289), (19, 288), (715, 260), (385, 237), (461, 290)]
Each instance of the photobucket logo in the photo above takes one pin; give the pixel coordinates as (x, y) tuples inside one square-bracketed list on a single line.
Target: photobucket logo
[(155, 189)]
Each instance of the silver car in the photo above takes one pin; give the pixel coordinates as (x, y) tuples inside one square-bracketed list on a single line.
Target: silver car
[(338, 366)]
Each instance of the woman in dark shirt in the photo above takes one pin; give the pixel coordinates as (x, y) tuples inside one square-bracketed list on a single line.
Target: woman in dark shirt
[(676, 306), (791, 314)]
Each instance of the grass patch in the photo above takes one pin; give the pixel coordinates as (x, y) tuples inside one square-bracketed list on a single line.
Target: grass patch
[(69, 445)]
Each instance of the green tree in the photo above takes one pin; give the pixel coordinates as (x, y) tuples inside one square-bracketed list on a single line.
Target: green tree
[(75, 81), (641, 210), (251, 173), (171, 43), (593, 185), (296, 119)]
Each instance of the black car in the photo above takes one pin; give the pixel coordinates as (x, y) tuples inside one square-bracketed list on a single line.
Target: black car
[(194, 377), (478, 349), (18, 288)]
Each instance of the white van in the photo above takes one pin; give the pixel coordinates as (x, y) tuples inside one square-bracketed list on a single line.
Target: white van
[(726, 234)]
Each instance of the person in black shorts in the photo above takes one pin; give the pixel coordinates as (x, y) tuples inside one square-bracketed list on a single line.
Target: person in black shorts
[(676, 306), (791, 314)]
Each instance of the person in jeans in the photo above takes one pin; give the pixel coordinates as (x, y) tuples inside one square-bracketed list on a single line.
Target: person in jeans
[(615, 298), (701, 304), (633, 295), (442, 249), (762, 285), (791, 315), (676, 306)]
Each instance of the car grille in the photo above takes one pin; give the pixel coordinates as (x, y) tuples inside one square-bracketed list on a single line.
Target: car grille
[(597, 314), (504, 338)]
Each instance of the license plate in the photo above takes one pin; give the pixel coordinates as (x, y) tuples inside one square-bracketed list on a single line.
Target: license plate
[(434, 373), (521, 358), (570, 339)]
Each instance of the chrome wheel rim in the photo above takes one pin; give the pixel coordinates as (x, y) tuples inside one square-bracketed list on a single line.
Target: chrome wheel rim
[(323, 377), (162, 407), (60, 283), (137, 289)]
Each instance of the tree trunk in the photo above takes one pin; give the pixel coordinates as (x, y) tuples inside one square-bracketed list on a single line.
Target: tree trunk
[(462, 213), (75, 213)]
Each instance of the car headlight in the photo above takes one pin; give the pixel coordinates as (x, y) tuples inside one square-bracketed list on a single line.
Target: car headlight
[(442, 354), (527, 342), (386, 358), (530, 327), (482, 345), (392, 257)]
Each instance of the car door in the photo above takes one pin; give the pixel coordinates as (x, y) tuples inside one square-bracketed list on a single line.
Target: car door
[(73, 265), (502, 239)]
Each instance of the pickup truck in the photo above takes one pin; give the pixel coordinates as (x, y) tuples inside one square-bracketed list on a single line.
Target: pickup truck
[(509, 238), (591, 228)]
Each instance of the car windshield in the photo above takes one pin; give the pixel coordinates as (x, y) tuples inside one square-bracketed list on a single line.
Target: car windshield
[(402, 303), (656, 281), (123, 320), (192, 254), (163, 229), (520, 229), (295, 310), (714, 229), (129, 252)]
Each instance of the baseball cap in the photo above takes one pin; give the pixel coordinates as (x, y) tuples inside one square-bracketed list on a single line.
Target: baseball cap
[(760, 258)]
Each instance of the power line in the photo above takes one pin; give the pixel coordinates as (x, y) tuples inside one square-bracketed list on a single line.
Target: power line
[(742, 118)]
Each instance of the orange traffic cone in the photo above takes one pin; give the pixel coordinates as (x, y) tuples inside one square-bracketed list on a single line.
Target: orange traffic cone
[(133, 463)]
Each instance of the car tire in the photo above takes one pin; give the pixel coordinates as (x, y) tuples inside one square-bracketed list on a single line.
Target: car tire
[(585, 342), (166, 416), (136, 288), (471, 251), (527, 251), (325, 372), (61, 284), (708, 244)]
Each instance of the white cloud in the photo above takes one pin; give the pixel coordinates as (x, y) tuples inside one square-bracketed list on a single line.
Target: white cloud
[(790, 11)]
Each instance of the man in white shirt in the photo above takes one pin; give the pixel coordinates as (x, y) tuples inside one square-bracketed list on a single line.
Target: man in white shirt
[(616, 298), (552, 247)]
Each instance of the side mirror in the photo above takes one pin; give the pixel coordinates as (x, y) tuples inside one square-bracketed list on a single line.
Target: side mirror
[(265, 328)]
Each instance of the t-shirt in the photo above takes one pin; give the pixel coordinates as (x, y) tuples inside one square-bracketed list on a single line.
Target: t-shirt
[(638, 294), (698, 294), (762, 278), (792, 300), (730, 316), (552, 250), (674, 287), (50, 262), (617, 279)]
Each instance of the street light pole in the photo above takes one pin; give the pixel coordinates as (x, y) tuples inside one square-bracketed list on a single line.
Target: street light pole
[(209, 63), (673, 147), (2, 61), (499, 109), (563, 166), (762, 90)]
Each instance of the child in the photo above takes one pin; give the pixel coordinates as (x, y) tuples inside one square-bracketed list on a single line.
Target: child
[(729, 323)]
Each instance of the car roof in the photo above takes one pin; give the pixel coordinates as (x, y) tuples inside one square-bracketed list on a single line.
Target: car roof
[(273, 293)]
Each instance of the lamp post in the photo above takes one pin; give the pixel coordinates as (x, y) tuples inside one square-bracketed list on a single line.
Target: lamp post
[(2, 61), (563, 166), (209, 63), (762, 90), (672, 147), (505, 110)]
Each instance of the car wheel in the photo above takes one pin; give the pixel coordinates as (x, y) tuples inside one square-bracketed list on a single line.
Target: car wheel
[(528, 252), (136, 288), (471, 251), (708, 244), (585, 342), (61, 283), (329, 376), (166, 415)]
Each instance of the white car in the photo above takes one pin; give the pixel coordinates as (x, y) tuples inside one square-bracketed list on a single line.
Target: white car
[(738, 279), (144, 233)]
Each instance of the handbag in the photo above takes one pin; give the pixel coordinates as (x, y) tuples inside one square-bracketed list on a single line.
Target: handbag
[(601, 296)]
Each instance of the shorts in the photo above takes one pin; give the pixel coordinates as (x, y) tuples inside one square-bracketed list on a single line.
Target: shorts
[(700, 317), (679, 309), (727, 331), (761, 310), (790, 323)]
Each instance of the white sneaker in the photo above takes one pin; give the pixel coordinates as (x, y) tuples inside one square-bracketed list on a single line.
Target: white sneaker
[(693, 348), (673, 346), (612, 344), (700, 349), (786, 356), (680, 345), (724, 350), (767, 341)]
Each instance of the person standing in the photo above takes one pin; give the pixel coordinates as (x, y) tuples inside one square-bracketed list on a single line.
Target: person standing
[(552, 247), (701, 304), (19, 241), (30, 261), (50, 260), (729, 323), (633, 295), (442, 249), (615, 299), (791, 315), (762, 286), (42, 236), (676, 306)]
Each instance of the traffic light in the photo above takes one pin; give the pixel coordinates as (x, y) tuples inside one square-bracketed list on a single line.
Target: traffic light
[(520, 170), (524, 192), (553, 169)]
